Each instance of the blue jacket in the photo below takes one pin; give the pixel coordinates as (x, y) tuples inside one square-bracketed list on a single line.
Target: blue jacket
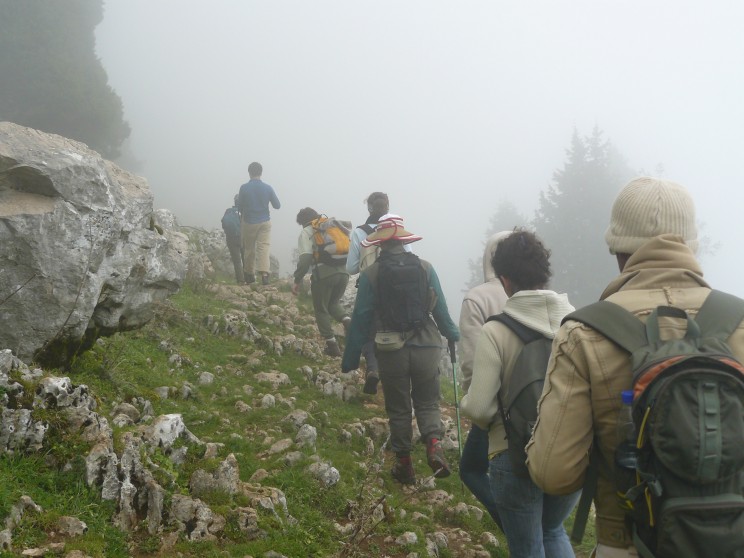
[(254, 198)]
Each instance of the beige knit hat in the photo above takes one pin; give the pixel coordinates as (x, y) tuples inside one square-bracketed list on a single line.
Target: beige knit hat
[(648, 207)]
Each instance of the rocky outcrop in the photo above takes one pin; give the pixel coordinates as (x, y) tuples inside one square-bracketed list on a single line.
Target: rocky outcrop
[(81, 251)]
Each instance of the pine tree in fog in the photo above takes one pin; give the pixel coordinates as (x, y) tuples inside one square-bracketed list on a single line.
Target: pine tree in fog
[(573, 214), (52, 79)]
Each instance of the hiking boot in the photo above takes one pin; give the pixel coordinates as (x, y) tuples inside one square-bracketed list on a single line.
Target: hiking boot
[(332, 349), (265, 279), (402, 471), (249, 278), (370, 384), (347, 324), (435, 458)]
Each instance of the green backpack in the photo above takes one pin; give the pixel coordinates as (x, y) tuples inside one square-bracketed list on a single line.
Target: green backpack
[(687, 497)]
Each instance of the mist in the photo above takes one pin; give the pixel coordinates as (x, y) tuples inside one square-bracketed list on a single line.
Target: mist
[(448, 107)]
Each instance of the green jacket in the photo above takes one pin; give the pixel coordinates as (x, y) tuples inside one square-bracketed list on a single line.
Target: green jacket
[(364, 318)]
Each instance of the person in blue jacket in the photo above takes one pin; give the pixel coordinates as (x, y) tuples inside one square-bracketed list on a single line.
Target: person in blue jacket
[(253, 200), (409, 368)]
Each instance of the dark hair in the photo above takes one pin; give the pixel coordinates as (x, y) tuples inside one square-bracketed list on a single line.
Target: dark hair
[(305, 215), (523, 259), (376, 196), (255, 170), (377, 204)]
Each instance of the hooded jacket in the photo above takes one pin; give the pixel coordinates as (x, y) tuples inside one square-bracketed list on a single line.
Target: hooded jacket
[(496, 353), (479, 303), (586, 373)]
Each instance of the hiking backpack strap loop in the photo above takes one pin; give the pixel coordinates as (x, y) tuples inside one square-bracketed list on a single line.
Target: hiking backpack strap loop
[(720, 315), (525, 334), (614, 322), (652, 323)]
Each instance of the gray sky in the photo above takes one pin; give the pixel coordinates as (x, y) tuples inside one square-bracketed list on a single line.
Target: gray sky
[(448, 107)]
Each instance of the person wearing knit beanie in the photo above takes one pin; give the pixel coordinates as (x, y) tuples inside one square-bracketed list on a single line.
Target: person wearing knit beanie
[(653, 236), (649, 207)]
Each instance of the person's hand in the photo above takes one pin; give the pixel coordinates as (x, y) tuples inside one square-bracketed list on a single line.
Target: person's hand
[(295, 288)]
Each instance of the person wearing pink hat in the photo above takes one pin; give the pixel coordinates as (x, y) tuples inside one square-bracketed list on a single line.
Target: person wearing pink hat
[(408, 351)]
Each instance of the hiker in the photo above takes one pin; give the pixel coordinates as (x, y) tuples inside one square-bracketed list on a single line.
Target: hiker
[(400, 305), (532, 521), (253, 199), (359, 258), (653, 235), (231, 226), (327, 282), (480, 302)]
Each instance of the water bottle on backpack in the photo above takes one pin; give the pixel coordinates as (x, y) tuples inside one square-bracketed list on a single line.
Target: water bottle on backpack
[(626, 453)]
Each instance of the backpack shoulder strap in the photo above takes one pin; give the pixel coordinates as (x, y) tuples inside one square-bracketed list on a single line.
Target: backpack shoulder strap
[(366, 227), (720, 314), (525, 334), (614, 322)]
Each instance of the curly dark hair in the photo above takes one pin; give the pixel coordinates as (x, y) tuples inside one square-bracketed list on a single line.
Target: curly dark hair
[(305, 215), (523, 259)]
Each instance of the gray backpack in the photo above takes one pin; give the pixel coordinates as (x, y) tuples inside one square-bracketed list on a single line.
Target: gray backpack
[(687, 497), (519, 409)]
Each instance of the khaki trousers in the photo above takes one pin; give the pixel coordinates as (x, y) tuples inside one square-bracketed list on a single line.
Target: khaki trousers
[(256, 246)]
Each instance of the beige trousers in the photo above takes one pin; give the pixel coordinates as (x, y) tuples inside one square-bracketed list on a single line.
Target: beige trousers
[(256, 246)]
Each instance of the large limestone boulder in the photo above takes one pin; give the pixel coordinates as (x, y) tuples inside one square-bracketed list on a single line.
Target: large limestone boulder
[(82, 253)]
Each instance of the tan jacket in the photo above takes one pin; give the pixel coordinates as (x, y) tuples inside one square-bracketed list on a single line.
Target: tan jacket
[(587, 372)]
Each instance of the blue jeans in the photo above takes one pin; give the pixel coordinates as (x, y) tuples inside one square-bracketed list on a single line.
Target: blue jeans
[(532, 520), (474, 470)]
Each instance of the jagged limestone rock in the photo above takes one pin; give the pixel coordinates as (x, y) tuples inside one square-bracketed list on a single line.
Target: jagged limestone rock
[(71, 526), (195, 519), (166, 429), (20, 432), (225, 479), (307, 436), (409, 537), (276, 379), (297, 418), (247, 519), (127, 409), (79, 251), (325, 473)]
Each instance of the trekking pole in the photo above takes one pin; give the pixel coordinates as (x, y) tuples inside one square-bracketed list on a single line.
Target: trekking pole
[(453, 360)]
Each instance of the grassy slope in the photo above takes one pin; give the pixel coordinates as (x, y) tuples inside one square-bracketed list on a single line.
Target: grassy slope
[(135, 363)]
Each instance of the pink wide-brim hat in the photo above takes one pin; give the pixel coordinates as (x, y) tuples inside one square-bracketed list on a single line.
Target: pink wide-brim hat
[(390, 227)]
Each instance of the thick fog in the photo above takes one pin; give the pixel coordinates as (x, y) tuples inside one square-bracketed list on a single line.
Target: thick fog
[(449, 107)]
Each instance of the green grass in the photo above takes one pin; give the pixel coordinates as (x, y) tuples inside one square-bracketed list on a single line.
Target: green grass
[(134, 364)]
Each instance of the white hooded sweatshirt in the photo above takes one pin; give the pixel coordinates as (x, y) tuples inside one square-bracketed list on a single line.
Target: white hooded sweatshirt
[(496, 352)]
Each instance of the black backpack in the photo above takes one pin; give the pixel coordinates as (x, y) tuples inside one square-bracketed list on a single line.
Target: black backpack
[(687, 497), (402, 298), (519, 410), (231, 222)]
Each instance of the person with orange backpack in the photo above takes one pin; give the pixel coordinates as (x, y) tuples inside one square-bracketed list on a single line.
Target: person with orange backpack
[(323, 246)]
